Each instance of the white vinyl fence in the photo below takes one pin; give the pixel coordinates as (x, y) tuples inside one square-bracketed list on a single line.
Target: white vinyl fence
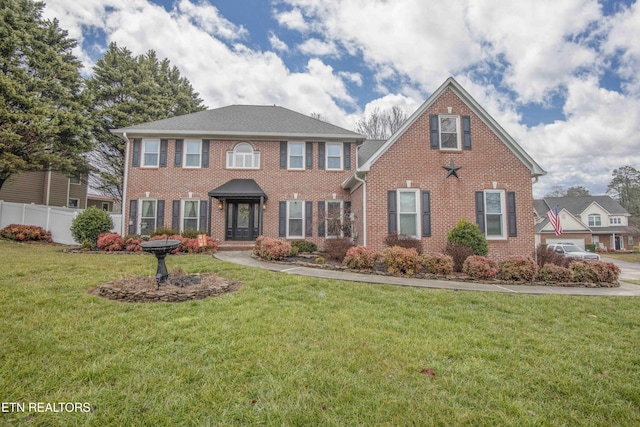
[(56, 220)]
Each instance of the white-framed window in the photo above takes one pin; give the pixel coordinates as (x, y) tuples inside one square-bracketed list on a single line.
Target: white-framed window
[(495, 214), (595, 220), (190, 214), (295, 155), (408, 218), (148, 210), (243, 156), (105, 206), (192, 153), (615, 220), (334, 218), (75, 180), (449, 132), (150, 153), (334, 155), (73, 203), (295, 219)]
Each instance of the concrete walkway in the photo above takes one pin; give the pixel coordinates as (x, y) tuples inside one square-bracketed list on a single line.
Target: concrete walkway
[(244, 258)]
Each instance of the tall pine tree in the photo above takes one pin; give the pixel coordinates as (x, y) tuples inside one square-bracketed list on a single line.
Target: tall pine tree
[(43, 120), (127, 90)]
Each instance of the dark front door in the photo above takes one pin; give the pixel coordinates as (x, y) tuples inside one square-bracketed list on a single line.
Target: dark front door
[(242, 220)]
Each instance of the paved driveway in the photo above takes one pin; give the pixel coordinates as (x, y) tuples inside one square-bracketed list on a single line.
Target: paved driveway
[(630, 270)]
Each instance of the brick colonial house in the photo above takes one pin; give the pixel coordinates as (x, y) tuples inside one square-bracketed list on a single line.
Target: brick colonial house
[(243, 171)]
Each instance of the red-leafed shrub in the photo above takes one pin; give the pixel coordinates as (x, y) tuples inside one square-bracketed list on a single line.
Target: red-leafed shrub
[(189, 246), (110, 242), (555, 274), (404, 241), (271, 249), (360, 257), (401, 261), (595, 271), (439, 264), (26, 233), (518, 269), (132, 243), (336, 249), (458, 253), (479, 267), (546, 255)]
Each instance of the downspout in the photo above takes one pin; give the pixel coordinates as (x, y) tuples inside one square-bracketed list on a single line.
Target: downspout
[(124, 221), (48, 190), (364, 206)]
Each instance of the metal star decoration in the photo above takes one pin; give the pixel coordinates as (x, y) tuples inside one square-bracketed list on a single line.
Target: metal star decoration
[(452, 169)]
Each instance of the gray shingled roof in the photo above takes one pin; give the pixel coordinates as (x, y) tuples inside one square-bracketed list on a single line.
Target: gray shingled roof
[(243, 120), (576, 205), (368, 149)]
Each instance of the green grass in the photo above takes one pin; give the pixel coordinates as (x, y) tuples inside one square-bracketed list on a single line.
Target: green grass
[(291, 350), (629, 257)]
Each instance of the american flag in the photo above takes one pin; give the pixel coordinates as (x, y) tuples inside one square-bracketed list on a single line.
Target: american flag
[(554, 219)]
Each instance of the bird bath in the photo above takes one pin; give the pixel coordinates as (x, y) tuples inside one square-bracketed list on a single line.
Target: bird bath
[(160, 248)]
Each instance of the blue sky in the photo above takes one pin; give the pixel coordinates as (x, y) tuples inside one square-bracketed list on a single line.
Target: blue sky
[(561, 76)]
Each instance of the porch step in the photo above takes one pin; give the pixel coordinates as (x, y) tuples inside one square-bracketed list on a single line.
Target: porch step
[(235, 246)]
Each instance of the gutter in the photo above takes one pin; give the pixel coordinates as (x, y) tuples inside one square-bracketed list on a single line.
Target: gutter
[(124, 222), (364, 206)]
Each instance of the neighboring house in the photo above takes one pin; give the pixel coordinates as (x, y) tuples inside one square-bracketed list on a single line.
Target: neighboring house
[(238, 172), (586, 219), (46, 188), (105, 203)]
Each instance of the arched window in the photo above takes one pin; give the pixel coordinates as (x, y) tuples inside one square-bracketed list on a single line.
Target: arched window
[(243, 157), (595, 220)]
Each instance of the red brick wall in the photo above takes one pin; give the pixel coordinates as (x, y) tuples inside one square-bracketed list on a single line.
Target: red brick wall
[(489, 161), (174, 183)]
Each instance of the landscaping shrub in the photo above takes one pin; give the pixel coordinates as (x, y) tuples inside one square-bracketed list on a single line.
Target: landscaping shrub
[(190, 246), (545, 255), (88, 225), (595, 271), (479, 267), (164, 231), (320, 260), (401, 261), (304, 246), (26, 233), (271, 249), (469, 235), (458, 254), (191, 234), (404, 241), (439, 264), (336, 249), (555, 274), (519, 269), (110, 242), (361, 258), (132, 243), (590, 247)]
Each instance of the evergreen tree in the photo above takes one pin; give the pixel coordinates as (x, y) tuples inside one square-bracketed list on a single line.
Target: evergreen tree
[(625, 187), (43, 120), (127, 90)]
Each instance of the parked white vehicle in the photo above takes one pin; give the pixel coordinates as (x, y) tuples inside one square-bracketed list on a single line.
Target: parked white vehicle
[(569, 250)]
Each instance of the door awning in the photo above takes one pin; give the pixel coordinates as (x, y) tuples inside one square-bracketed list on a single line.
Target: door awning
[(238, 189)]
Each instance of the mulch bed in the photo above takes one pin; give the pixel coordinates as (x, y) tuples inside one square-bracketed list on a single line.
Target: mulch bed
[(178, 288)]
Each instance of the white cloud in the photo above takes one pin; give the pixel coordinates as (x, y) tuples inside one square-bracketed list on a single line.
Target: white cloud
[(277, 44), (316, 47), (293, 20), (207, 17), (623, 38)]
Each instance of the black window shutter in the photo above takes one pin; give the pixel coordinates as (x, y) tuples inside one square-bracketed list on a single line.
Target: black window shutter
[(321, 219), (426, 213), (347, 156), (392, 210), (308, 213), (133, 216), (175, 215), (135, 158), (511, 214), (160, 214), (321, 155), (347, 215), (283, 154), (203, 215), (434, 131), (466, 132), (163, 152), (309, 155), (178, 157), (480, 210), (282, 217), (205, 153)]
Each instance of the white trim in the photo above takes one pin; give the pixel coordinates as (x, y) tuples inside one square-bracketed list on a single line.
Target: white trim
[(458, 138), (143, 152), (416, 193), (182, 217), (185, 153), (69, 204), (287, 218), (289, 144), (503, 215), (326, 155), (255, 157), (140, 217)]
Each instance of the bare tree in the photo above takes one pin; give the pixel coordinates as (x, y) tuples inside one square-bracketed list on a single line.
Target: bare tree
[(381, 124)]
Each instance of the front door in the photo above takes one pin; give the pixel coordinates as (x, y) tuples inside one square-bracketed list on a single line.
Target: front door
[(242, 220)]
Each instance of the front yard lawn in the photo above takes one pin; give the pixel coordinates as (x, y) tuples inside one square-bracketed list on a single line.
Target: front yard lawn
[(628, 257), (292, 350)]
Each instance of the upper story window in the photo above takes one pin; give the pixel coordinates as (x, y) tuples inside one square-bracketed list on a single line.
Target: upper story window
[(192, 154), (243, 157), (494, 212), (595, 220), (75, 179), (449, 132), (615, 220), (334, 156), (150, 153), (295, 155)]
